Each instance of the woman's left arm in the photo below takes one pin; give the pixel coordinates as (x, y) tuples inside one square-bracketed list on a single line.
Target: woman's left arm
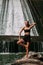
[(32, 25)]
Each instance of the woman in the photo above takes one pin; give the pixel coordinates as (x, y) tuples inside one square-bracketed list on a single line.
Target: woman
[(26, 38)]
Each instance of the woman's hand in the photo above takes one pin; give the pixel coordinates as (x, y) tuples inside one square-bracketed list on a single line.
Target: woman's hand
[(34, 23)]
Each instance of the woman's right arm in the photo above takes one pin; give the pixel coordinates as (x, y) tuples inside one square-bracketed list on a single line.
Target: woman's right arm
[(20, 32), (32, 25)]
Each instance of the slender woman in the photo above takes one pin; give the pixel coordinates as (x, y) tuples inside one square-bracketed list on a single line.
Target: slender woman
[(25, 41)]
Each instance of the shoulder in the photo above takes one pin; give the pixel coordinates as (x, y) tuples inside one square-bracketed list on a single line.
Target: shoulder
[(23, 27)]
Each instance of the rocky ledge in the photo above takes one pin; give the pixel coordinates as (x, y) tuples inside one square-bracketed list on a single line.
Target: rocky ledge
[(33, 59)]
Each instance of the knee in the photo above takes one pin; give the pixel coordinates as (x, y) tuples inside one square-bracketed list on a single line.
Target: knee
[(17, 42)]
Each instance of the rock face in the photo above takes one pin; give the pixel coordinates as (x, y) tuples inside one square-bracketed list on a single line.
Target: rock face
[(34, 59)]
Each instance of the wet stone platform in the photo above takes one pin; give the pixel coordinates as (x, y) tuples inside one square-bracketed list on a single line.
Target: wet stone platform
[(34, 59), (28, 62)]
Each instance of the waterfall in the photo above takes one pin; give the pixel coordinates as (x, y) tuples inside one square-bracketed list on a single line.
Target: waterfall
[(12, 20), (13, 13), (28, 16), (3, 17)]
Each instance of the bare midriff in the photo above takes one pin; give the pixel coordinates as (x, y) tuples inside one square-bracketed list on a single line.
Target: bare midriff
[(27, 33)]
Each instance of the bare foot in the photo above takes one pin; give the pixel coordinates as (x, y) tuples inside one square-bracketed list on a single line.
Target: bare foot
[(24, 58), (27, 57)]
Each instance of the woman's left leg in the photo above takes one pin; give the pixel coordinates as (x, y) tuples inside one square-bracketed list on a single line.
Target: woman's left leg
[(27, 48)]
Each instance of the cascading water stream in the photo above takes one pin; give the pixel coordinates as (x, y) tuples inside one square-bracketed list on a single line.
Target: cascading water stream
[(12, 16), (28, 16)]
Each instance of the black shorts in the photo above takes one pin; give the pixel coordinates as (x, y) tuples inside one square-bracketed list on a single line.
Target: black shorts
[(26, 38)]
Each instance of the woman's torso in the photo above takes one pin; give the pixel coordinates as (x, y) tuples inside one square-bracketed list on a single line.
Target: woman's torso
[(27, 31)]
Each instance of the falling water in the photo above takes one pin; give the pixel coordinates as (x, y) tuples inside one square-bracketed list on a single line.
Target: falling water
[(13, 14), (28, 16), (12, 17)]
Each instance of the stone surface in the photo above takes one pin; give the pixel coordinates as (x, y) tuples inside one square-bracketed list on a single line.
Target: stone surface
[(34, 59)]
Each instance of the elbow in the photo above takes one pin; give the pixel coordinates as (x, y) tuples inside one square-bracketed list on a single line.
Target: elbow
[(20, 33)]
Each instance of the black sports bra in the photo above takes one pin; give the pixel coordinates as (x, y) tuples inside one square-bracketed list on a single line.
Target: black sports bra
[(26, 30)]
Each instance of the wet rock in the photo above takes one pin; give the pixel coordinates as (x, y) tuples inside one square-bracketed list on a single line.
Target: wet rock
[(33, 59)]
